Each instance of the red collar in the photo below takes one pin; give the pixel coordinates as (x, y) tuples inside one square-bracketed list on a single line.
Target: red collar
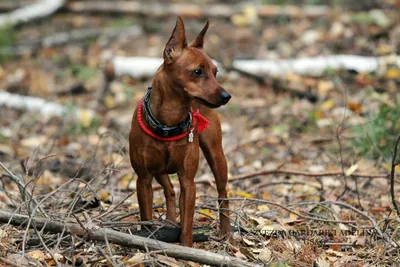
[(202, 124)]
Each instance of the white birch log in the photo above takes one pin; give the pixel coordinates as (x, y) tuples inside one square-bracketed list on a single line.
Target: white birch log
[(136, 67), (142, 67), (40, 9), (46, 108), (315, 65)]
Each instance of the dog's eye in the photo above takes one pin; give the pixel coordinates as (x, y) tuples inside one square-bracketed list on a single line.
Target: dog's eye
[(198, 72)]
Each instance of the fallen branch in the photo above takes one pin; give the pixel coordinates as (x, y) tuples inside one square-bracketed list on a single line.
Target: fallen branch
[(315, 65), (46, 108), (194, 10), (277, 84), (282, 171), (303, 173), (69, 37), (145, 67), (304, 217), (27, 13), (102, 234), (392, 175)]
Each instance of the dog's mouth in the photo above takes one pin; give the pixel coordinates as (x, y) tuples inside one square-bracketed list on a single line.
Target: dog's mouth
[(206, 103)]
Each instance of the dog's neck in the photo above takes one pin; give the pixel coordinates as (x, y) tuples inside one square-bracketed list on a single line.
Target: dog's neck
[(169, 104)]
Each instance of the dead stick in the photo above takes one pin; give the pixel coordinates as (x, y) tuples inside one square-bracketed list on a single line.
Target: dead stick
[(305, 217), (392, 175), (303, 173), (193, 10), (98, 234), (284, 171)]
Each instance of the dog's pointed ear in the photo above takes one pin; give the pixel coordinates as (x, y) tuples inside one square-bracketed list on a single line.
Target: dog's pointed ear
[(200, 38), (177, 42)]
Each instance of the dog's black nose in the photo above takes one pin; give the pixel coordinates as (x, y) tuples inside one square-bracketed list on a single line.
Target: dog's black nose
[(225, 97)]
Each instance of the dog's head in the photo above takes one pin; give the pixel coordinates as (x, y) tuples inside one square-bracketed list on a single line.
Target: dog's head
[(192, 68)]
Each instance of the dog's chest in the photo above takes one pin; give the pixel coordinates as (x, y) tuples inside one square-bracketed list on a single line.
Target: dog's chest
[(169, 157), (178, 157)]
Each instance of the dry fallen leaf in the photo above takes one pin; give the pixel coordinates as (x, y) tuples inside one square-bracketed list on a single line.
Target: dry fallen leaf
[(207, 213), (392, 73), (322, 261), (351, 170), (265, 255), (248, 242), (243, 194), (33, 141), (137, 258), (327, 105), (85, 118), (37, 254), (324, 87)]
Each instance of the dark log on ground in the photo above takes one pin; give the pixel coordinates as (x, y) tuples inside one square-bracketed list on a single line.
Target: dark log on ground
[(172, 235)]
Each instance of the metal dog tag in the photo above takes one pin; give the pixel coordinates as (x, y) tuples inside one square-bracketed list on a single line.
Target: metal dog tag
[(191, 135)]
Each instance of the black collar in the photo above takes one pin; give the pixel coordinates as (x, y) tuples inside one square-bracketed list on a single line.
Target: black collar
[(159, 128)]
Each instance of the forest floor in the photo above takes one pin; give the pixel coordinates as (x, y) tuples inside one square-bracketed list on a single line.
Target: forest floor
[(309, 179)]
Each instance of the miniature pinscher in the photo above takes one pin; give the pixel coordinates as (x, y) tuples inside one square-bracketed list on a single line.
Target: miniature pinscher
[(165, 134)]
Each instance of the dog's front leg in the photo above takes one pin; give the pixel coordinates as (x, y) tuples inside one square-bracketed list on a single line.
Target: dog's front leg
[(145, 196), (187, 200)]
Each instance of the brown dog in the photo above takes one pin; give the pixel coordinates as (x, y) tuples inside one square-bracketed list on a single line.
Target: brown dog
[(165, 139)]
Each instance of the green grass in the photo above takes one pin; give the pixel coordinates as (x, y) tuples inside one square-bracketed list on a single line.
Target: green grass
[(123, 22), (83, 72), (7, 39), (377, 137)]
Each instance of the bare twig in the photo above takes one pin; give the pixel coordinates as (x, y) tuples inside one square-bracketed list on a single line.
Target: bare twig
[(392, 175), (25, 195), (135, 212), (45, 246), (365, 215), (284, 171), (116, 206), (303, 173), (287, 209), (339, 130)]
